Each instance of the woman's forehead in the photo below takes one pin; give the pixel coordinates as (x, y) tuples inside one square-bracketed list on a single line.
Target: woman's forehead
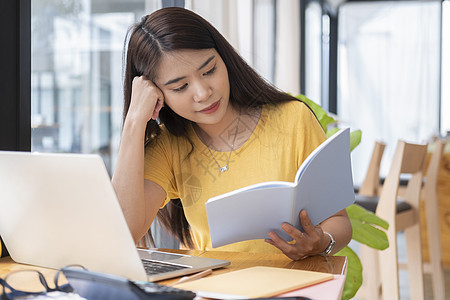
[(182, 62)]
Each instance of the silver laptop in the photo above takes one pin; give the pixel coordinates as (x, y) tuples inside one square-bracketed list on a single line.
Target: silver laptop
[(61, 209)]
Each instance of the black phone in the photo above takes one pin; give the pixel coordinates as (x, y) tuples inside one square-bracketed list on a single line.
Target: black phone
[(101, 286)]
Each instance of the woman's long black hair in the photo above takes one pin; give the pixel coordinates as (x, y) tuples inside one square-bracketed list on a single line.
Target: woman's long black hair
[(171, 29)]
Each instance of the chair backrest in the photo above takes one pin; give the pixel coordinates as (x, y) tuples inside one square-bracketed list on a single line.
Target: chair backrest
[(433, 221), (371, 183), (408, 159), (431, 179)]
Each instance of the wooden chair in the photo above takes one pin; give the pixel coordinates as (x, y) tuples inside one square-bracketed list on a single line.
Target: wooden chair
[(430, 197), (382, 266), (408, 159), (371, 183), (367, 196)]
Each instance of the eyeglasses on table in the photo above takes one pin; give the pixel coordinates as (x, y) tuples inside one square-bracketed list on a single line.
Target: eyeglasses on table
[(23, 283)]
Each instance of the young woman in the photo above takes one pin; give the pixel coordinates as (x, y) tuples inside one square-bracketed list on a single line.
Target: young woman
[(220, 127)]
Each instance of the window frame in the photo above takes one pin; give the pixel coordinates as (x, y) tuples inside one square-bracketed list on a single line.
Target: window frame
[(15, 78)]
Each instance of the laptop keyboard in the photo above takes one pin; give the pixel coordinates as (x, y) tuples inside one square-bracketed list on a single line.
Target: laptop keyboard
[(155, 267)]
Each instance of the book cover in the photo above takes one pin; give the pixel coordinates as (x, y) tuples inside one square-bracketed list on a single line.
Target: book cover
[(323, 186)]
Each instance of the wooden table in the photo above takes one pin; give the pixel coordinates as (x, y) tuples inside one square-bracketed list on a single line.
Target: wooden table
[(239, 260), (242, 260)]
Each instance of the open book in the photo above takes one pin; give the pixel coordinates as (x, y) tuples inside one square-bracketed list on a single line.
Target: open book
[(323, 186)]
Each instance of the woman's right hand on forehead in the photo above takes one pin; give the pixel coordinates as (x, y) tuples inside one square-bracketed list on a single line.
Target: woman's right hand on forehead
[(146, 99)]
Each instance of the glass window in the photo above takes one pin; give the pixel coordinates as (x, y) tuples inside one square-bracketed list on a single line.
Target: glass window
[(76, 97), (388, 73), (313, 50)]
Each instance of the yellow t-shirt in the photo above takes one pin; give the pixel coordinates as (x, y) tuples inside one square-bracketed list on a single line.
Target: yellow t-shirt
[(284, 136)]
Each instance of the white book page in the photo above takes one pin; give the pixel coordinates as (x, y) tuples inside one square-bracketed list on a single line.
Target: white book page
[(249, 214), (257, 186), (319, 148), (326, 183)]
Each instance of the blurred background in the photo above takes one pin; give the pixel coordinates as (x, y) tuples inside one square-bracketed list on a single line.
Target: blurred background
[(379, 66)]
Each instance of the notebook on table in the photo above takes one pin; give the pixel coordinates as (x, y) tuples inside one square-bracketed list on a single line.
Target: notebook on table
[(61, 209), (254, 282)]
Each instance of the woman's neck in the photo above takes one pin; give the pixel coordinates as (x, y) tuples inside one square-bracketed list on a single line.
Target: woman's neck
[(230, 134)]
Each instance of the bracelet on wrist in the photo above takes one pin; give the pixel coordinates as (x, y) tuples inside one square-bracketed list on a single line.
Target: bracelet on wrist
[(330, 246)]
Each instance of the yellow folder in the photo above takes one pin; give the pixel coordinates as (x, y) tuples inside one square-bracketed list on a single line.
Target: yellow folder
[(254, 282)]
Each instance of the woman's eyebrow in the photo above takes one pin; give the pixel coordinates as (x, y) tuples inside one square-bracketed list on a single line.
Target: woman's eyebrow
[(182, 77), (174, 80), (206, 62)]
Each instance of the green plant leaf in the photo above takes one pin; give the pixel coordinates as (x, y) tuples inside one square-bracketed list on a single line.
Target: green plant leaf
[(369, 235), (364, 232), (361, 214), (325, 120), (320, 113), (355, 139), (353, 280)]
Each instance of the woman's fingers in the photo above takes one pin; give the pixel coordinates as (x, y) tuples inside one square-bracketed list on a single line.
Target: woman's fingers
[(306, 243), (159, 105), (146, 99), (290, 250), (313, 232)]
